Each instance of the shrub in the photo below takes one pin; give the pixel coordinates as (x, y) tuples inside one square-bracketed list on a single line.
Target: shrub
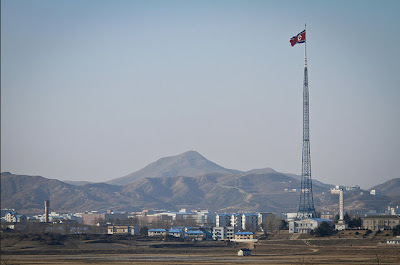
[(324, 229)]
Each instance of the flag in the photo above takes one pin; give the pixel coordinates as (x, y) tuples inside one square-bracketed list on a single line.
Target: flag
[(299, 38)]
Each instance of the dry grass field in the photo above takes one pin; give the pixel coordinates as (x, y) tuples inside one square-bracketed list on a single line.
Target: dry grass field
[(344, 248)]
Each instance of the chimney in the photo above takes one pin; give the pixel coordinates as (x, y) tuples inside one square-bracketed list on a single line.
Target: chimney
[(46, 210)]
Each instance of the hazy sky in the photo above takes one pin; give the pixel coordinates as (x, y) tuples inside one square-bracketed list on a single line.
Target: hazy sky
[(94, 90)]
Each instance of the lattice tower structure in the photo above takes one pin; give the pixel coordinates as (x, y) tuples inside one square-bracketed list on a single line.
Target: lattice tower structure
[(306, 207)]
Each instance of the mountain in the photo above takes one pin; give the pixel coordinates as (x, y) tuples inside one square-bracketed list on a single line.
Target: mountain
[(215, 191), (390, 188), (188, 164), (28, 193)]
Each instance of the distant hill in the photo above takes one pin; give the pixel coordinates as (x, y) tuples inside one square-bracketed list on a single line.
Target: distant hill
[(77, 182), (215, 191), (188, 164), (390, 188), (28, 193), (187, 180)]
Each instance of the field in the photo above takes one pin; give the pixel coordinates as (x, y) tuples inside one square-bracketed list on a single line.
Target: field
[(104, 249)]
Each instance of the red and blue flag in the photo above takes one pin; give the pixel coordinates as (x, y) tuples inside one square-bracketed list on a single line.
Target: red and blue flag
[(299, 38)]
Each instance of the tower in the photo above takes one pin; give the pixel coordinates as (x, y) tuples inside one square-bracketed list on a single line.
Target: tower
[(341, 225), (306, 207)]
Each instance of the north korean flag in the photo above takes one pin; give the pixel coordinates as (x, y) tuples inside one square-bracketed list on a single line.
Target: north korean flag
[(299, 38)]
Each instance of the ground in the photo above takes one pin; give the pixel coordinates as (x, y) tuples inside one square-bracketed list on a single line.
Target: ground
[(345, 248)]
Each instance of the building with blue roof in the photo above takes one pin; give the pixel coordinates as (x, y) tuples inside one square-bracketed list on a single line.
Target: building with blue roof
[(157, 232), (195, 235), (14, 217), (244, 236), (222, 220), (176, 232)]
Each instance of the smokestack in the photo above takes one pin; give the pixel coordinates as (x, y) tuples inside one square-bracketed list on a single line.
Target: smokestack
[(46, 210), (341, 205)]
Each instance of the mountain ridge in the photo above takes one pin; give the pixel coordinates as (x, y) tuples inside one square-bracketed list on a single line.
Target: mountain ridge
[(215, 191), (162, 185), (188, 164)]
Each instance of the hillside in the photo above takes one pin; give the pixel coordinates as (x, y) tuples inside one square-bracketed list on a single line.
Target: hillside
[(188, 164), (28, 193), (214, 191), (251, 192), (390, 187)]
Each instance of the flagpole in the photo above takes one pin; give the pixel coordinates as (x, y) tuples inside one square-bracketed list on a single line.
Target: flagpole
[(305, 46)]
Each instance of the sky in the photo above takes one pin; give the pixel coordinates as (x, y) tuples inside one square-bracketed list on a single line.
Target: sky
[(95, 90)]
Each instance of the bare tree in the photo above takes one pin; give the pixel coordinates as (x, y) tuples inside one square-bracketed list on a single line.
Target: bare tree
[(272, 223)]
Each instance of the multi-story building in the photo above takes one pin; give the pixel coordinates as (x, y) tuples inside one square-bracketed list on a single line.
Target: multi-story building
[(237, 220), (262, 217), (224, 233), (14, 217), (204, 218), (380, 222), (94, 218), (223, 220), (249, 221)]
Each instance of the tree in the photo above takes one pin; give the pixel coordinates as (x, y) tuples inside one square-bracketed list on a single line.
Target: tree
[(355, 222), (324, 229), (346, 218), (187, 221), (272, 223), (284, 225), (336, 218), (396, 230), (144, 231)]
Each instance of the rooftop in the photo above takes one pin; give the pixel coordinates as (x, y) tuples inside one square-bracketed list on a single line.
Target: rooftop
[(158, 230), (244, 233), (194, 232)]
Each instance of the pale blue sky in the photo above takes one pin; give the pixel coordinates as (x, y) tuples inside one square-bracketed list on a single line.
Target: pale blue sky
[(94, 90)]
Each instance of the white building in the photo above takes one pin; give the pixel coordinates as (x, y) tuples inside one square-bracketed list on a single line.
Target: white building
[(336, 189), (394, 241), (237, 220), (14, 217), (244, 252), (204, 217), (375, 192), (224, 233), (306, 225)]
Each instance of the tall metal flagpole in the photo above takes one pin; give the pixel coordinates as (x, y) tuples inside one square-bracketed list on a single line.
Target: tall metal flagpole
[(306, 207), (305, 47)]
